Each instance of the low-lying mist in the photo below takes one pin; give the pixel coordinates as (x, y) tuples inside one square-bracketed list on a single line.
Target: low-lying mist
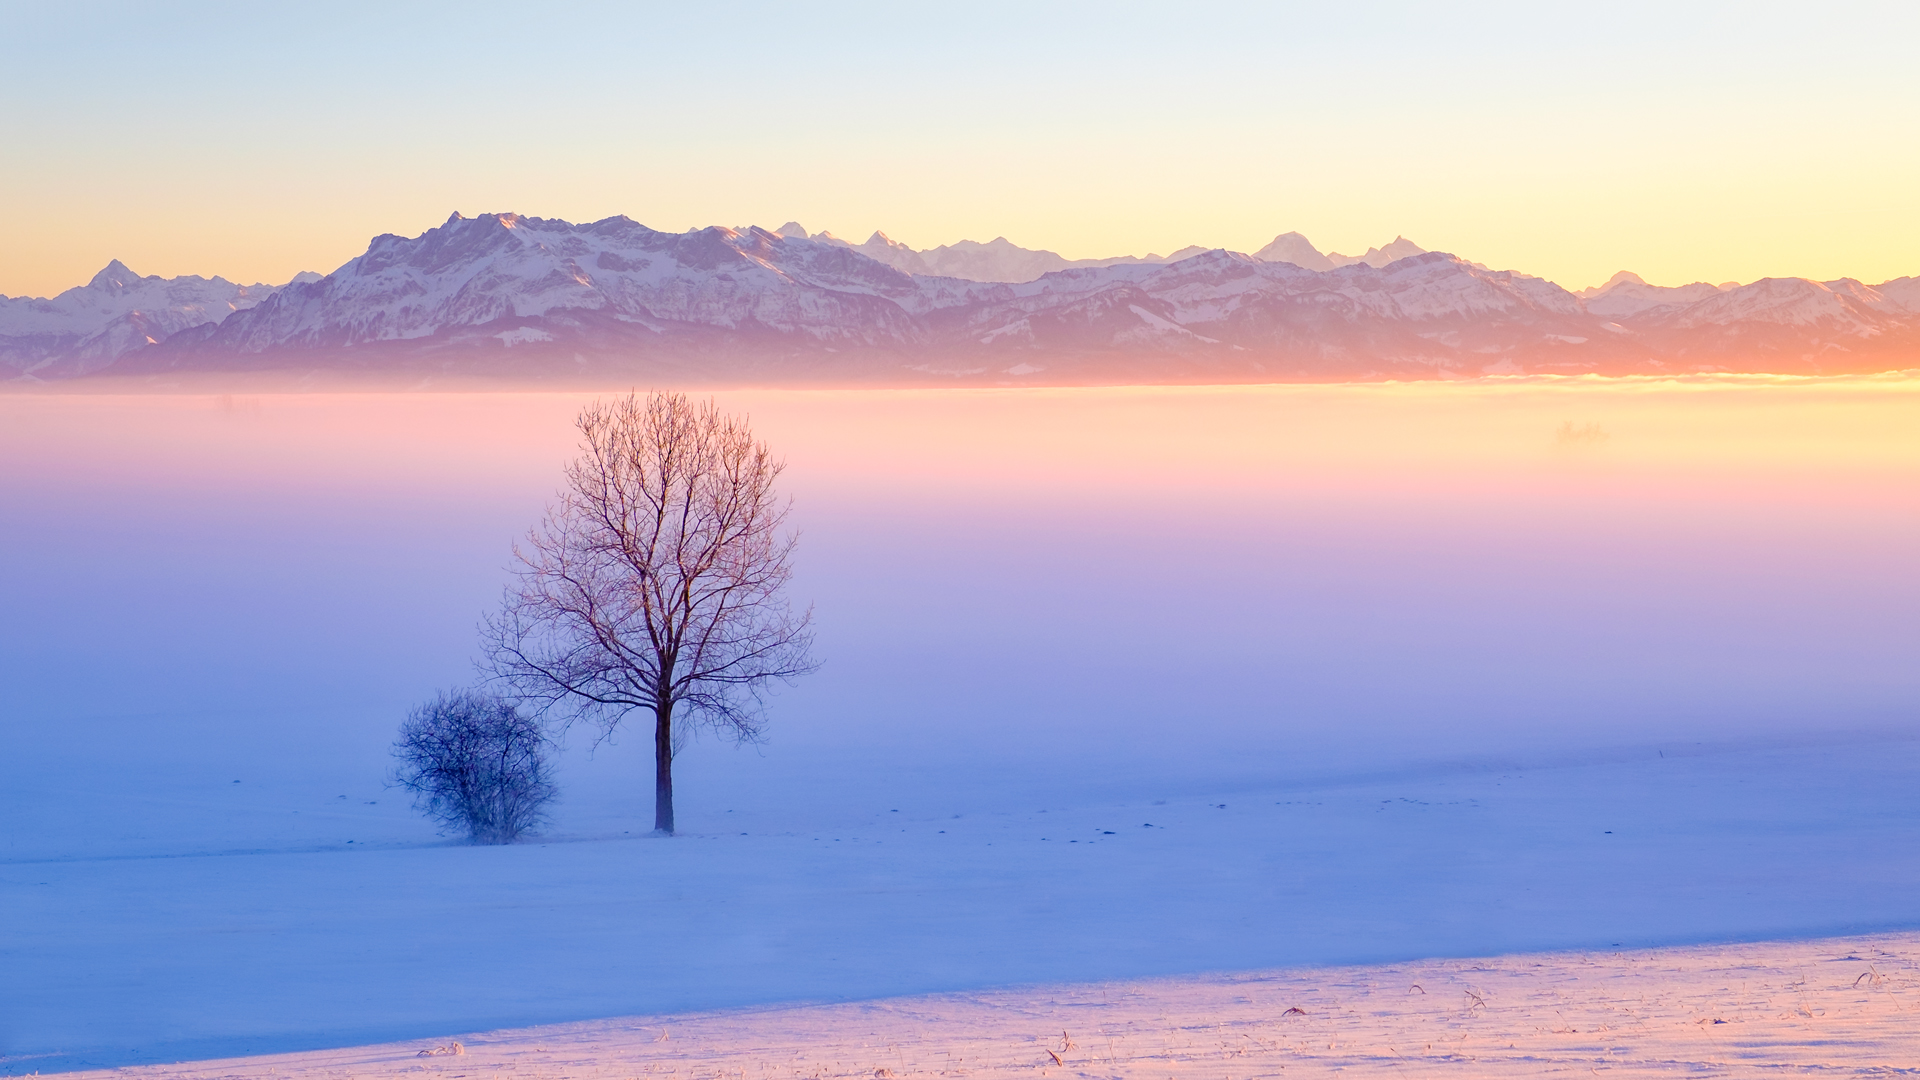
[(1134, 591)]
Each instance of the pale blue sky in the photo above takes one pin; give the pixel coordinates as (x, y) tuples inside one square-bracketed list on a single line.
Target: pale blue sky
[(1685, 141)]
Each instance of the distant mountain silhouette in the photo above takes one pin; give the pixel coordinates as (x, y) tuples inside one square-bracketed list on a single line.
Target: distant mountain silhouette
[(516, 297)]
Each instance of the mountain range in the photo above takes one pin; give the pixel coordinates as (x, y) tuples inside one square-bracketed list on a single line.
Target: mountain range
[(505, 296)]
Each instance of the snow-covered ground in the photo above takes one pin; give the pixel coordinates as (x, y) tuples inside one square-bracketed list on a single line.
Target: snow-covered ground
[(1829, 1007), (1119, 684)]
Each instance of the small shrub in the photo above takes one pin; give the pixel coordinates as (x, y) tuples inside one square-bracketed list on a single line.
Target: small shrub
[(475, 764)]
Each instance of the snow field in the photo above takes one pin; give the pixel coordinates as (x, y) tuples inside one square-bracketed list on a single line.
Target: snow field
[(1391, 673), (1832, 1007), (119, 961)]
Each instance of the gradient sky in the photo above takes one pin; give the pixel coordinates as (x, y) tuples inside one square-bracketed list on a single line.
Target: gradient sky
[(1704, 141)]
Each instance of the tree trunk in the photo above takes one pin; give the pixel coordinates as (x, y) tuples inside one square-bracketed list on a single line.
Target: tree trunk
[(663, 768)]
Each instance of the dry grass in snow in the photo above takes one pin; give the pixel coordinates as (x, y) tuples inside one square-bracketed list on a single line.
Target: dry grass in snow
[(1831, 1007)]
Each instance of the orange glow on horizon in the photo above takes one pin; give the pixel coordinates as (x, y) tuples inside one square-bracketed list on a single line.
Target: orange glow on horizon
[(1641, 431)]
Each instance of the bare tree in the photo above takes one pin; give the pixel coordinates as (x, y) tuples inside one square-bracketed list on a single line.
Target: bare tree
[(655, 584), (473, 762)]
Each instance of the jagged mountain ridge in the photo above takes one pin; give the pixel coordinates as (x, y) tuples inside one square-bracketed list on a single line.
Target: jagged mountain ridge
[(530, 297), (1001, 260), (997, 260), (1298, 250), (506, 274), (88, 326), (502, 283)]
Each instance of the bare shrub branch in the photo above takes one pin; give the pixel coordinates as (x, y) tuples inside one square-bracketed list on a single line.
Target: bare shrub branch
[(474, 763)]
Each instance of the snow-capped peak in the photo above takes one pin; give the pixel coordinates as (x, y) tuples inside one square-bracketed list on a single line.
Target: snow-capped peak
[(87, 327), (1627, 294), (1624, 277), (114, 275), (1291, 247), (1399, 248)]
